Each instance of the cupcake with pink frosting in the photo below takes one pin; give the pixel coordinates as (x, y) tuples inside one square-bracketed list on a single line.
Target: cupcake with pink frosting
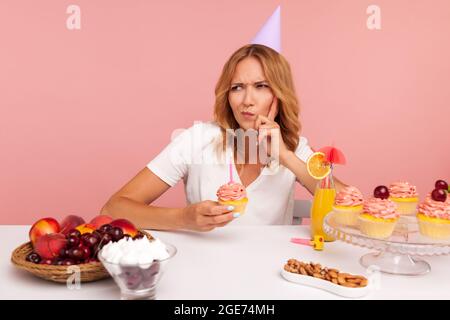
[(434, 216), (405, 196), (233, 194), (378, 218), (348, 204)]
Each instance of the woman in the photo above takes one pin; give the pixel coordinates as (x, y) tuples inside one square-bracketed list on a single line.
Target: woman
[(255, 93)]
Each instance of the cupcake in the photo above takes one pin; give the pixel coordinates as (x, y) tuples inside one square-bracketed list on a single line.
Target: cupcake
[(233, 194), (405, 197), (348, 205), (434, 215), (378, 218)]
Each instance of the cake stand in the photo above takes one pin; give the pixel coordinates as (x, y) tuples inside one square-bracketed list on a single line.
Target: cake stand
[(399, 254)]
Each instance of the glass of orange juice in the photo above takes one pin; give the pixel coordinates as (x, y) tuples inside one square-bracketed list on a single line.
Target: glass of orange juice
[(324, 194)]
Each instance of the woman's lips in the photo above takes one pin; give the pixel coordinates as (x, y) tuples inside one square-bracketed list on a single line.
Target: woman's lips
[(248, 115)]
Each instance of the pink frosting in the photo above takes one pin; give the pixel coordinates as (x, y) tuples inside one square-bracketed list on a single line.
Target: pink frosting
[(349, 196), (380, 208), (231, 191), (402, 189), (435, 209)]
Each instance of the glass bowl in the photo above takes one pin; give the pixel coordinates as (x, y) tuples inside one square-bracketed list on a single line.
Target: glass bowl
[(138, 282)]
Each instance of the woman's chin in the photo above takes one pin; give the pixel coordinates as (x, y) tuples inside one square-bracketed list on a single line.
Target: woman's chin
[(247, 125)]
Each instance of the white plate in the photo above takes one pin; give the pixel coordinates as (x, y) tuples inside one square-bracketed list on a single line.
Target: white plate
[(325, 285)]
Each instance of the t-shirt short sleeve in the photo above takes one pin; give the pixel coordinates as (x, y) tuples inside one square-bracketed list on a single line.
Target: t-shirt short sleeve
[(303, 151), (172, 164)]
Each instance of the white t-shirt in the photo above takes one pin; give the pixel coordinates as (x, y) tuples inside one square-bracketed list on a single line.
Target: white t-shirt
[(192, 156)]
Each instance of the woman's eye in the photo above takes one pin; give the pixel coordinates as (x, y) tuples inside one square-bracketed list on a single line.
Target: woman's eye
[(259, 86)]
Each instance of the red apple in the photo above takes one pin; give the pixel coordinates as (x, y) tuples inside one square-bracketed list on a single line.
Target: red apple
[(85, 228), (49, 245), (126, 226), (42, 227), (100, 220), (70, 222)]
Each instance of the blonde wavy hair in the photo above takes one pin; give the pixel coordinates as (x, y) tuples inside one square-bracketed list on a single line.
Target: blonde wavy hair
[(278, 74)]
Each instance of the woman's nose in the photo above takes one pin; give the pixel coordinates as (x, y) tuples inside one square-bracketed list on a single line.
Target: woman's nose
[(248, 98)]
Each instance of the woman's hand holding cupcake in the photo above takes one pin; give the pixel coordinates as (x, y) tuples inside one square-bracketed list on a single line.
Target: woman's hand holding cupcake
[(233, 194), (206, 216)]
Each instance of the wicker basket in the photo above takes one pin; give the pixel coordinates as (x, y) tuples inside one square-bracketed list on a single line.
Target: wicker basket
[(92, 271)]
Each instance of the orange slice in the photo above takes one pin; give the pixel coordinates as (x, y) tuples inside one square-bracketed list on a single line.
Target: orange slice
[(317, 166)]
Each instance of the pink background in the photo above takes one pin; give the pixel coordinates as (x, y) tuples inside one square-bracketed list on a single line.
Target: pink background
[(83, 111)]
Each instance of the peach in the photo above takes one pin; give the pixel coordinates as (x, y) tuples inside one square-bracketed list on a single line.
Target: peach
[(42, 227), (85, 228), (49, 245), (100, 220), (126, 226), (70, 222)]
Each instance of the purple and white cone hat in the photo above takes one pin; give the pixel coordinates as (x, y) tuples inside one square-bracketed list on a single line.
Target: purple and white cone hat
[(270, 34)]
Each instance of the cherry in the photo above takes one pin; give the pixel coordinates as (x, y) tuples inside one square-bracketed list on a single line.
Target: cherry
[(439, 195), (73, 241), (116, 233), (98, 234), (62, 253), (381, 192), (85, 238), (74, 233), (91, 240), (105, 228), (441, 184), (68, 262), (133, 281), (105, 239), (33, 257), (86, 252), (76, 253), (149, 273)]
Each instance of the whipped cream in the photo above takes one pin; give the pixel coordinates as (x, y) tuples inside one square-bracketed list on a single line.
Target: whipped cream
[(380, 208), (140, 252), (231, 191), (349, 196), (403, 189), (435, 209)]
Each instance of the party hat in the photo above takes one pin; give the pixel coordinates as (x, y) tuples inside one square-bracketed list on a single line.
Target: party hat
[(270, 34)]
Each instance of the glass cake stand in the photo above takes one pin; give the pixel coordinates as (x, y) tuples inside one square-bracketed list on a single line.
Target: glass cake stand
[(399, 254)]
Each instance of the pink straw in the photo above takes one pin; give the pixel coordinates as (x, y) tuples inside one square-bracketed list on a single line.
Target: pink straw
[(231, 171), (306, 242)]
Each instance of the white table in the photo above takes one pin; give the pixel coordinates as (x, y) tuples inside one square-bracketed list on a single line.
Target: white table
[(229, 263)]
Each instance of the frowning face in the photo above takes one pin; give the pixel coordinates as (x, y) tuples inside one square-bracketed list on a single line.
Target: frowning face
[(250, 93)]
